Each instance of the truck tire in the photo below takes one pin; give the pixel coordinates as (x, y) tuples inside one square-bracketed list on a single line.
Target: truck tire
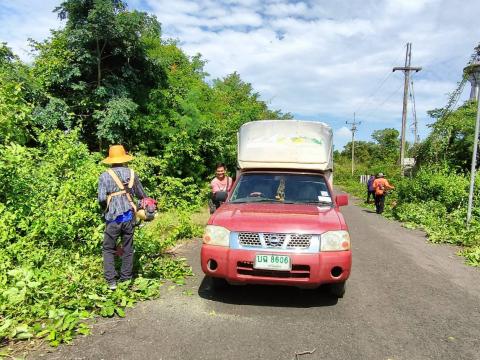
[(337, 289)]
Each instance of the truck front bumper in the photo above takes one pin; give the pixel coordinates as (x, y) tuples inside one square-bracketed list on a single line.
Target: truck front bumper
[(309, 270)]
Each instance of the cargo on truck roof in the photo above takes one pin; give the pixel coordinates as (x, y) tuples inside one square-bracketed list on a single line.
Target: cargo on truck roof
[(285, 144)]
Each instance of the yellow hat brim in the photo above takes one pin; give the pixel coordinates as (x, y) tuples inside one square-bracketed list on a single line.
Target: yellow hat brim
[(118, 159)]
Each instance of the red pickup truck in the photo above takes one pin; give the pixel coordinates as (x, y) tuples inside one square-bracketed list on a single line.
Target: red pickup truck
[(280, 225)]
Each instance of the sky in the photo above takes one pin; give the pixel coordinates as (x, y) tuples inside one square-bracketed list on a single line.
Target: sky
[(319, 60)]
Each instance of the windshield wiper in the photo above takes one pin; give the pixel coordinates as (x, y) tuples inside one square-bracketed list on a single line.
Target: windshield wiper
[(264, 200), (276, 201)]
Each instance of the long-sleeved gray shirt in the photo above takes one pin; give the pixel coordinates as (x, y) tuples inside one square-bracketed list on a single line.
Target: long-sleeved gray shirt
[(119, 204)]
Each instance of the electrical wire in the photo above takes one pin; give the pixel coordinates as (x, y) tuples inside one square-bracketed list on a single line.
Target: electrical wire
[(369, 98), (379, 86), (395, 92)]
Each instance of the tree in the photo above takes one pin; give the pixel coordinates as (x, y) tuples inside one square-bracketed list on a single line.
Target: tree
[(16, 96), (110, 74), (6, 55), (451, 139), (114, 121), (235, 103), (99, 56), (388, 144), (364, 151)]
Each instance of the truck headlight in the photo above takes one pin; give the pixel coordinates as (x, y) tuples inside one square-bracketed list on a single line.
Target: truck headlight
[(335, 241), (216, 235)]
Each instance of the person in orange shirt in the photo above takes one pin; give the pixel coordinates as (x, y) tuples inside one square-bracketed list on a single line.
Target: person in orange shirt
[(380, 186)]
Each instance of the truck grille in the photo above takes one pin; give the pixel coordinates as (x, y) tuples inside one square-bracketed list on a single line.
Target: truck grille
[(272, 240), (297, 272), (249, 239), (299, 241)]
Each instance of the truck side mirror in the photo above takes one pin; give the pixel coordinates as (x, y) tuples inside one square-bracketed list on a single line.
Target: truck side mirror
[(341, 200), (220, 196)]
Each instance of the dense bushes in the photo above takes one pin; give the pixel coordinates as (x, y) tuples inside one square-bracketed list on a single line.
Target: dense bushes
[(51, 274), (106, 77), (433, 184), (434, 199)]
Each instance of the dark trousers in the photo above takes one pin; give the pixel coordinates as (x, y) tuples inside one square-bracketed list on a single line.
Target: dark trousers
[(370, 193), (112, 232), (379, 203)]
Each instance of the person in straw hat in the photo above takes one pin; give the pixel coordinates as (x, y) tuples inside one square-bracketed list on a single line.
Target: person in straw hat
[(116, 189)]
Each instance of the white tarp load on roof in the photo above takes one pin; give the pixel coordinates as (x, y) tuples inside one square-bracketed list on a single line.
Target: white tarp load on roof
[(286, 144)]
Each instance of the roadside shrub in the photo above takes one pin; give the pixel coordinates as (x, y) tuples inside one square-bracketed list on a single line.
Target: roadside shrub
[(447, 188), (427, 214), (472, 255), (434, 199), (51, 230)]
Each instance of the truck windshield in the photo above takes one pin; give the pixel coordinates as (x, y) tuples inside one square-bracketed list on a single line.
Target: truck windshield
[(284, 188)]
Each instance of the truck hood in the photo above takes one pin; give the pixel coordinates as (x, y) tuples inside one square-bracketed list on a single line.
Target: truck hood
[(281, 218)]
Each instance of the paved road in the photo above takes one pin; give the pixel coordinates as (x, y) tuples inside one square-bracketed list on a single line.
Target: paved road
[(406, 299)]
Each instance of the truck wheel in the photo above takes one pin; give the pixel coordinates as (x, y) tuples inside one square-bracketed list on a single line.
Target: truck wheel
[(218, 283), (337, 289)]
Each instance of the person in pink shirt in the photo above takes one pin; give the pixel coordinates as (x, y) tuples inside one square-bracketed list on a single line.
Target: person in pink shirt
[(221, 182)]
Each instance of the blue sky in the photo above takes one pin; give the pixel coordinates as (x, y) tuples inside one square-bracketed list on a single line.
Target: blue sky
[(320, 60)]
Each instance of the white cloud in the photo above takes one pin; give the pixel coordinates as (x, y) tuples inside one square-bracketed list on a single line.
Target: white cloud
[(319, 60), (343, 133), (287, 9), (23, 19)]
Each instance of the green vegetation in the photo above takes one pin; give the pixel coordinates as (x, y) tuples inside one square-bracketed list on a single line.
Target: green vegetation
[(106, 77), (434, 196), (109, 77), (51, 274)]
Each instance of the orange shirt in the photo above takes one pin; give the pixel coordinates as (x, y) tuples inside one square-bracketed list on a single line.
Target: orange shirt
[(380, 185)]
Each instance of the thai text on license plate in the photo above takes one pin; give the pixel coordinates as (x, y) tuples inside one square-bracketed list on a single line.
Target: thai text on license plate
[(272, 262)]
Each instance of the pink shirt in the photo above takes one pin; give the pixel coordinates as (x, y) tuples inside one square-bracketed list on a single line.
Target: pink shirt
[(218, 185)]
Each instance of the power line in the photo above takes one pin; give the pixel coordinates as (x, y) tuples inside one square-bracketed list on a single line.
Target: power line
[(389, 96), (374, 92)]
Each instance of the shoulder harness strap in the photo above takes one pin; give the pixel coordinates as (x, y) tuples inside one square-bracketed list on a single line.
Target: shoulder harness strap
[(122, 191)]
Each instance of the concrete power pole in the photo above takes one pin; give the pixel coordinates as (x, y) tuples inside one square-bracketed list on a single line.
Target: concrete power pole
[(473, 73), (353, 129), (406, 70)]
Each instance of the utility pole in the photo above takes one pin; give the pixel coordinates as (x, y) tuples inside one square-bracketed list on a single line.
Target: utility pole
[(353, 129), (406, 70), (473, 72)]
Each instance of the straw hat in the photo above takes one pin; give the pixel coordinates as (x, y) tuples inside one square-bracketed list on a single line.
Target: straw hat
[(117, 155)]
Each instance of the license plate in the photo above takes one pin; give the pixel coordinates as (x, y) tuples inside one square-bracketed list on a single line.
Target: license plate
[(272, 262)]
